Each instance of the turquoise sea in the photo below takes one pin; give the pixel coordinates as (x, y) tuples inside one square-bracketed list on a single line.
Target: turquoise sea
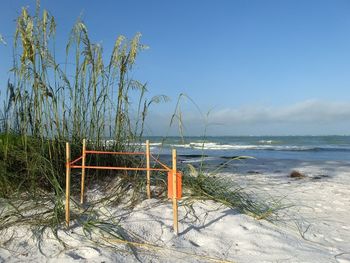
[(323, 148)]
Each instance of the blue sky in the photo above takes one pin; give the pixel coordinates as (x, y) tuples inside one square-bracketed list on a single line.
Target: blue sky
[(260, 67)]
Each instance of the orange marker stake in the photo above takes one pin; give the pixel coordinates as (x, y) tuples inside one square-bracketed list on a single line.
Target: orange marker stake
[(83, 172), (148, 170), (67, 183), (175, 208)]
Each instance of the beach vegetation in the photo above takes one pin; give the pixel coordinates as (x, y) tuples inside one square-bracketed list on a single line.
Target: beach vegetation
[(51, 100)]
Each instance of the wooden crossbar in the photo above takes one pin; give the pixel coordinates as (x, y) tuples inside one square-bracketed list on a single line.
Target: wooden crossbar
[(76, 160), (119, 168), (117, 153), (159, 162)]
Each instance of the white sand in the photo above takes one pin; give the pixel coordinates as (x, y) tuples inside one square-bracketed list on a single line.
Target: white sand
[(316, 229)]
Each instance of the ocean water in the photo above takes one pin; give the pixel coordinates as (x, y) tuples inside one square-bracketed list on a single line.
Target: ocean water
[(321, 148)]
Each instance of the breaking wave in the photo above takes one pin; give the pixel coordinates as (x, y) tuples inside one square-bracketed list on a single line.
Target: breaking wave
[(268, 146)]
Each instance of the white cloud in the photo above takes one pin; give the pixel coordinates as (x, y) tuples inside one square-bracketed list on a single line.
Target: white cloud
[(303, 112), (312, 117)]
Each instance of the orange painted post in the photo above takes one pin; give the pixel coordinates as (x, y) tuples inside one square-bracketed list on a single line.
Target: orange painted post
[(178, 186), (67, 183), (148, 170), (83, 172), (175, 209)]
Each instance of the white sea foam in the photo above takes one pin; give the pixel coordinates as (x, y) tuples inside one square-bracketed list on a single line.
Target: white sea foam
[(217, 146), (267, 141), (152, 144), (112, 142), (198, 160)]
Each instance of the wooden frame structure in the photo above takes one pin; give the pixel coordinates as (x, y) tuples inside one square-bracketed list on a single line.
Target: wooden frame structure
[(174, 193)]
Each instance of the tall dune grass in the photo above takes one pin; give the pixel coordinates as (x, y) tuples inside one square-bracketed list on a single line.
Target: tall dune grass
[(49, 103)]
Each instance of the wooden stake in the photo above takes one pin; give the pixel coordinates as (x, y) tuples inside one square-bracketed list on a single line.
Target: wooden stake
[(175, 216), (148, 171), (67, 183), (83, 172)]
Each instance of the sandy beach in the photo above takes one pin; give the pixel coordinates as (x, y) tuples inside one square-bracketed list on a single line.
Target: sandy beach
[(314, 228), (182, 131)]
